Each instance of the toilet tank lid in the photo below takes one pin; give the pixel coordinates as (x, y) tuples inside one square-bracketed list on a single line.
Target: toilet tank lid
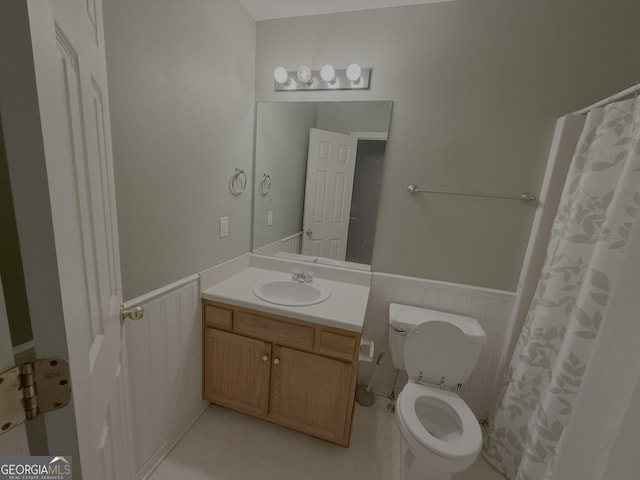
[(405, 317)]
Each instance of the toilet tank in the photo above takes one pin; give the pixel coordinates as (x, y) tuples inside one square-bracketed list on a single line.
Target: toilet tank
[(404, 318)]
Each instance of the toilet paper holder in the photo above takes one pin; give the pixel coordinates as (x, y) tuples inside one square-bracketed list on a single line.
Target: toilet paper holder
[(368, 355)]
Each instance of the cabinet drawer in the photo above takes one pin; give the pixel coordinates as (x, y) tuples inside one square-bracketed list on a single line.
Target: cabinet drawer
[(283, 333), (218, 317), (336, 345)]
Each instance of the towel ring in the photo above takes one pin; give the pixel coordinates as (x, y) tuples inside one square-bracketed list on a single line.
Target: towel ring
[(265, 184), (238, 182)]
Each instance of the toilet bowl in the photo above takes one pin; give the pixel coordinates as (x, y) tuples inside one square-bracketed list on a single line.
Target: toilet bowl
[(439, 430), (440, 433)]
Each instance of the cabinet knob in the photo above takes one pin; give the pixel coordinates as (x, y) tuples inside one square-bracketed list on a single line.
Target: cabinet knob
[(265, 358), (276, 361)]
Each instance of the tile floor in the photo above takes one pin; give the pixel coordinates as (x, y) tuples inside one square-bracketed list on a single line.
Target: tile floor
[(226, 445)]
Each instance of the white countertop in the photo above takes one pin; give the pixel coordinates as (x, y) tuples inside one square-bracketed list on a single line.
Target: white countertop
[(345, 308)]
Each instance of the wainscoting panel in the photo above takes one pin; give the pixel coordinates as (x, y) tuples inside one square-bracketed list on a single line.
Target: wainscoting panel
[(290, 244), (164, 357), (490, 307)]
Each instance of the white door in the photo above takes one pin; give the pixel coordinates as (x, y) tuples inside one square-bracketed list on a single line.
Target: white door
[(331, 164), (13, 442), (70, 71)]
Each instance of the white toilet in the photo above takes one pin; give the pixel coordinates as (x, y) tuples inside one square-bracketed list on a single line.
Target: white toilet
[(441, 435)]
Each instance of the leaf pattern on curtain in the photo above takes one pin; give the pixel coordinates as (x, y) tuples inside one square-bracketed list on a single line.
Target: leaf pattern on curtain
[(599, 203)]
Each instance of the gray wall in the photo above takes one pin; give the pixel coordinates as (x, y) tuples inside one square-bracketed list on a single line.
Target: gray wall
[(282, 143), (354, 117), (181, 87), (476, 86)]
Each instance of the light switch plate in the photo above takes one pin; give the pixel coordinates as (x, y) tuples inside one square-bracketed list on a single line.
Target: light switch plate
[(224, 227), (269, 218)]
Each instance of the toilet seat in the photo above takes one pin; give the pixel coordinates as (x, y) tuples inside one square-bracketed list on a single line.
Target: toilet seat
[(467, 445), (438, 353)]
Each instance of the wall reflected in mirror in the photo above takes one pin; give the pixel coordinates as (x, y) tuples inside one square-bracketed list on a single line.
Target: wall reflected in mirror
[(318, 171)]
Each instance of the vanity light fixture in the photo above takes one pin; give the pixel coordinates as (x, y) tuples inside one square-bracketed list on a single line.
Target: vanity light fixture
[(354, 77), (304, 75), (354, 73), (281, 76), (328, 73)]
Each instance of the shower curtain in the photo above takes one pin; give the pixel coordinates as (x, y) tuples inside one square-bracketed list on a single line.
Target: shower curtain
[(588, 244)]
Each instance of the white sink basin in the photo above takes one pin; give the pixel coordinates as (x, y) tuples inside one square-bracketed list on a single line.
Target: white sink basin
[(283, 290)]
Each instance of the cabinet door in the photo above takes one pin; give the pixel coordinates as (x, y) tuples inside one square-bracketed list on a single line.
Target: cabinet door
[(311, 393), (236, 371)]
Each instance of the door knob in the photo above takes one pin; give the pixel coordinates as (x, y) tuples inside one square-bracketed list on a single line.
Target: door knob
[(133, 313), (265, 358), (309, 232), (276, 362)]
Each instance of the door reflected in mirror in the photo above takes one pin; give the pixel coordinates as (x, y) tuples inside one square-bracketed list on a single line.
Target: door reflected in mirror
[(318, 173)]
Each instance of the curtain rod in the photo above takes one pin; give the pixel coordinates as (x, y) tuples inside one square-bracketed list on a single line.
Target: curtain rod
[(612, 98)]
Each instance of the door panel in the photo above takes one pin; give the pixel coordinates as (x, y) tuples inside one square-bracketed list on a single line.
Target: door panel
[(70, 70), (236, 371), (330, 170), (310, 393)]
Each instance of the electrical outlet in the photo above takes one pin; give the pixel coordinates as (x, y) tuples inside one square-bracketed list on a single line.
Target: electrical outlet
[(269, 218), (224, 227)]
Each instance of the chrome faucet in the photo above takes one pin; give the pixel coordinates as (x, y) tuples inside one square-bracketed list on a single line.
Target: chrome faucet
[(302, 277)]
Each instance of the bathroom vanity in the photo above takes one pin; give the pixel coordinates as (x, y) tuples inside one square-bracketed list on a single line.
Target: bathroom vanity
[(292, 365)]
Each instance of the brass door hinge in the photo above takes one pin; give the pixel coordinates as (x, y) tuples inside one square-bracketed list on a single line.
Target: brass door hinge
[(31, 389)]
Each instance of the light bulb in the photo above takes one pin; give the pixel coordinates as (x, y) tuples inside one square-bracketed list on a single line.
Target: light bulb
[(281, 75), (328, 73), (304, 74), (353, 72)]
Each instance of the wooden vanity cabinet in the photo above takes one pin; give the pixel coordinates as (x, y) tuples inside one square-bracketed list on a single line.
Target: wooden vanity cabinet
[(297, 374), (237, 371), (310, 393)]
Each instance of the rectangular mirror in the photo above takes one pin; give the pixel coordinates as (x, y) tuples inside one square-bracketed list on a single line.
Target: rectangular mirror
[(318, 171)]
